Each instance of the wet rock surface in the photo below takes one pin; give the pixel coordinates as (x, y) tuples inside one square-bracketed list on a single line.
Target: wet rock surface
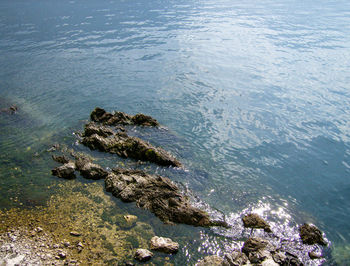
[(157, 194), (253, 220), (120, 118), (310, 235), (101, 138), (164, 244)]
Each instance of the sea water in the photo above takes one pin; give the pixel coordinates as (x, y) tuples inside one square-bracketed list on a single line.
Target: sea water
[(254, 98)]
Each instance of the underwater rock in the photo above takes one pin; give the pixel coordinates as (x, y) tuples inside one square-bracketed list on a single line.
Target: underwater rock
[(235, 258), (164, 244), (98, 137), (253, 220), (142, 254), (310, 235), (157, 194), (211, 261), (120, 118), (65, 171), (11, 110)]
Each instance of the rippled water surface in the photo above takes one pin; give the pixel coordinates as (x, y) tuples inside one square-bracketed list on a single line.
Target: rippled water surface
[(254, 95)]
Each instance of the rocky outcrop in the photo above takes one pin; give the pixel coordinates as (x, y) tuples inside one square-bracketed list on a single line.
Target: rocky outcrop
[(142, 254), (164, 244), (120, 118), (253, 220), (157, 194), (310, 235), (101, 138)]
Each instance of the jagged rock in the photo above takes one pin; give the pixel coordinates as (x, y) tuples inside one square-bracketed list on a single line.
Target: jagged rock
[(279, 257), (257, 250), (100, 115), (164, 244), (253, 220), (60, 159), (92, 128), (310, 235), (92, 171), (65, 171), (143, 254), (125, 146), (236, 258), (157, 194), (211, 261)]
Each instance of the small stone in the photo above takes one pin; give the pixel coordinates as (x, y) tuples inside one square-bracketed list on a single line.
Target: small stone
[(62, 255), (163, 244), (143, 254), (314, 256), (39, 229), (75, 233), (66, 244), (80, 245), (130, 220)]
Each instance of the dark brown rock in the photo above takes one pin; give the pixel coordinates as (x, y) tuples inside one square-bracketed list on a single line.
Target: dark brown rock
[(120, 118), (310, 235), (253, 220), (60, 159), (157, 194)]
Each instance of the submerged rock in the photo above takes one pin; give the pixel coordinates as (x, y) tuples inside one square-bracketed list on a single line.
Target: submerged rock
[(10, 110), (120, 118), (157, 194), (253, 220), (310, 235), (142, 254), (164, 244), (65, 171), (98, 137)]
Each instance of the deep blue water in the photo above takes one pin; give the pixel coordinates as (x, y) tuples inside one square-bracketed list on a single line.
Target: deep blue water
[(255, 95)]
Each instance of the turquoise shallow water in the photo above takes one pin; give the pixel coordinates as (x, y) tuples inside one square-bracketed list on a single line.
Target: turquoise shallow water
[(254, 96)]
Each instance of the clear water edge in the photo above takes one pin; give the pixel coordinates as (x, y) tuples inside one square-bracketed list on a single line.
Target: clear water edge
[(254, 94)]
